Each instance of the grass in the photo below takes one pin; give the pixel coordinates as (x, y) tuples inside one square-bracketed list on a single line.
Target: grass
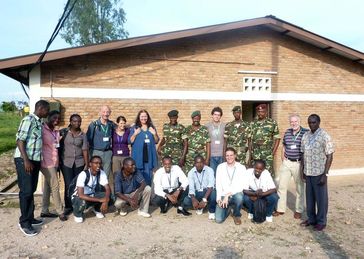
[(9, 123)]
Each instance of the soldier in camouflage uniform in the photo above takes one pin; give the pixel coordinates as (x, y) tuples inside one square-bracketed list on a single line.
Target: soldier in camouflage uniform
[(198, 141), (264, 137), (237, 134), (172, 143)]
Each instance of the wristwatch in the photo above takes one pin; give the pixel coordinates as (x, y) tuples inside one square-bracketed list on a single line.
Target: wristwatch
[(204, 200)]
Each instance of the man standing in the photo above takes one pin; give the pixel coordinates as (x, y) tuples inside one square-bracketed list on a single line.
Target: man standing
[(291, 160), (237, 134), (27, 159), (216, 132), (172, 143), (201, 182), (170, 187), (198, 139), (317, 148), (264, 137), (99, 138), (230, 178), (131, 189)]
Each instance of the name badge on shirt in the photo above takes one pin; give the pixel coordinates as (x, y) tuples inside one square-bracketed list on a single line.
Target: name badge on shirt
[(119, 152), (170, 189), (147, 140), (105, 139), (200, 190), (56, 145), (293, 146), (217, 142)]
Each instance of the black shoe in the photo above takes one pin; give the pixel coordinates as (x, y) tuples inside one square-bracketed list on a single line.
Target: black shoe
[(48, 215), (63, 217), (183, 212), (37, 222), (164, 208), (28, 231)]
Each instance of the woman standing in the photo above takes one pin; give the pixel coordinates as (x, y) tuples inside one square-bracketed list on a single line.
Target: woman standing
[(49, 165), (74, 157), (120, 148), (143, 138)]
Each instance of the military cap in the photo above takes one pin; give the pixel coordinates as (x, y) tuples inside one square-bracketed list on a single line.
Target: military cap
[(195, 113), (173, 113), (236, 109), (262, 106)]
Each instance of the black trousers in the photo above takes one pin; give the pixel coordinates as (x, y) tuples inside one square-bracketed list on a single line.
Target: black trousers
[(68, 174), (162, 202), (317, 202), (28, 185)]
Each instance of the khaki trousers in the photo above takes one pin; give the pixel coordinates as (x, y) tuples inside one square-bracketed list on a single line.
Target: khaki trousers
[(51, 185), (144, 199), (287, 170)]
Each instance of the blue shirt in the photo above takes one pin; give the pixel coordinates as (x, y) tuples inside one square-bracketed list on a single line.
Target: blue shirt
[(99, 136), (292, 143), (199, 181), (126, 185)]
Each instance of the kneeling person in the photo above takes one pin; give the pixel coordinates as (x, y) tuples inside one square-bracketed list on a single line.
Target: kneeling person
[(260, 185), (201, 182), (92, 190), (131, 189), (170, 187)]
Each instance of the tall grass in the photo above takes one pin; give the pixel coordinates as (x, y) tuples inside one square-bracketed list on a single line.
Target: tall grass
[(9, 123)]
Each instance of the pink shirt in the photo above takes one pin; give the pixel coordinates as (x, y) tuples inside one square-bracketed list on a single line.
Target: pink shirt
[(49, 149)]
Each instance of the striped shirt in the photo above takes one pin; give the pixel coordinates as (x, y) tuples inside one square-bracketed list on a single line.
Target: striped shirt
[(292, 143), (30, 132)]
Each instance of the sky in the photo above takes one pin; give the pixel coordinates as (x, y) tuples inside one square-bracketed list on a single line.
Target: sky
[(26, 25)]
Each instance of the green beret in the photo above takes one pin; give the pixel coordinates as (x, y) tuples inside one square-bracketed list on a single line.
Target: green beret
[(195, 113), (236, 109), (173, 113)]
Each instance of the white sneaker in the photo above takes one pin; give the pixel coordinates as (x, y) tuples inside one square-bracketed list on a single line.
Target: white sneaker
[(78, 219), (98, 214), (143, 214), (199, 211), (269, 219), (123, 213), (250, 216), (212, 216)]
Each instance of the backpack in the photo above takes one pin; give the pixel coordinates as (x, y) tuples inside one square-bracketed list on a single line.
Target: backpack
[(260, 210), (72, 187)]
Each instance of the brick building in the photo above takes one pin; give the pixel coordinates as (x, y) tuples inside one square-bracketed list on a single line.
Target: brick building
[(240, 63)]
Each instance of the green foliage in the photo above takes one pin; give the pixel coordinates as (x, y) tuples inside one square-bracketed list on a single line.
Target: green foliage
[(94, 21), (9, 106), (9, 123)]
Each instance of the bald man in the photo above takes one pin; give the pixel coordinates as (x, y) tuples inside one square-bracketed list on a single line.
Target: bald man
[(99, 138)]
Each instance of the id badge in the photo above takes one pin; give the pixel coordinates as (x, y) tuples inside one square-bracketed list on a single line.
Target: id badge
[(119, 152), (200, 190), (147, 140), (293, 146), (105, 139), (170, 189), (56, 145), (217, 142)]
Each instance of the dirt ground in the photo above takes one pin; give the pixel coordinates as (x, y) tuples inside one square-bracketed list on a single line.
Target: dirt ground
[(175, 236)]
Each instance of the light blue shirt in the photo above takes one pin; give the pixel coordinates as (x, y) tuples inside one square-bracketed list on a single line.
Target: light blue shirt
[(199, 181)]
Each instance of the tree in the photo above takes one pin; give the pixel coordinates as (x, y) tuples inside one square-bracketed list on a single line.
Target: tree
[(94, 21), (9, 106)]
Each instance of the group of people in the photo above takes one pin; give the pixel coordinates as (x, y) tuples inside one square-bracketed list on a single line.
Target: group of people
[(193, 167)]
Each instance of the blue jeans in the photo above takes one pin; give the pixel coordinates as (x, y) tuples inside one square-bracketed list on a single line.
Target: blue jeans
[(187, 202), (214, 162), (236, 202), (271, 200), (27, 186)]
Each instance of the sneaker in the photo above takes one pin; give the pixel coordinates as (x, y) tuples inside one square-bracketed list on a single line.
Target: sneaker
[(29, 231), (37, 222), (99, 215), (199, 211), (250, 216), (123, 213), (211, 216), (269, 219), (78, 219), (143, 214)]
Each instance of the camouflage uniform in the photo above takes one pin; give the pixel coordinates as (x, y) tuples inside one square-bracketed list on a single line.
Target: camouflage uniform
[(197, 140), (173, 147), (263, 134), (237, 134)]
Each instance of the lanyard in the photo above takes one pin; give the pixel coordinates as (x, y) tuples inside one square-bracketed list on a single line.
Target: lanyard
[(294, 137), (105, 129), (198, 179), (216, 130), (258, 187), (170, 179), (231, 178)]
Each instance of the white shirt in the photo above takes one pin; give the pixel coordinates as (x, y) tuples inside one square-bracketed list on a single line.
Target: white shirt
[(229, 179), (91, 185), (265, 181), (170, 181)]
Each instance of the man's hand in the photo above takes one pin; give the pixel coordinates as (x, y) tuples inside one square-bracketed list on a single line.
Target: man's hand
[(323, 180), (28, 166), (259, 193), (195, 203), (202, 205), (104, 207), (225, 202), (133, 202), (172, 198)]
